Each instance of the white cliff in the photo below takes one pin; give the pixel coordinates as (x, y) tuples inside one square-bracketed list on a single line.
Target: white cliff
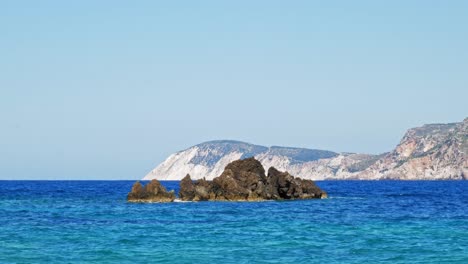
[(430, 152)]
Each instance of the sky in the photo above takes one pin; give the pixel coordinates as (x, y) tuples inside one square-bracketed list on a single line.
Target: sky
[(109, 89)]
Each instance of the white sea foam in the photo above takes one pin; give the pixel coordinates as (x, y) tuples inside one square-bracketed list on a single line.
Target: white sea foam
[(180, 201)]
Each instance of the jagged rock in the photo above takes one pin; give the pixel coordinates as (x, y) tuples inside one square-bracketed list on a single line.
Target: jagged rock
[(282, 185), (200, 190), (203, 190), (242, 180), (245, 180), (187, 189), (152, 192)]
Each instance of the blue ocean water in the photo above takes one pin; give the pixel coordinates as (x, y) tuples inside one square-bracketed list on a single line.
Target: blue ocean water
[(361, 222)]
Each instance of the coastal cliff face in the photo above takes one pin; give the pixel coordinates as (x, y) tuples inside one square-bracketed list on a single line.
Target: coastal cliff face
[(430, 152), (208, 160)]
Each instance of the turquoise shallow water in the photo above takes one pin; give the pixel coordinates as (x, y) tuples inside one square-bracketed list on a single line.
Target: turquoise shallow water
[(361, 222)]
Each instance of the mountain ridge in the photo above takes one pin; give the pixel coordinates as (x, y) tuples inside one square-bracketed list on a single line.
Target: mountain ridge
[(431, 151), (207, 159)]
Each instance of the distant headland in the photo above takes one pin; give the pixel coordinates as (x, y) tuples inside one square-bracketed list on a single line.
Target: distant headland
[(430, 152)]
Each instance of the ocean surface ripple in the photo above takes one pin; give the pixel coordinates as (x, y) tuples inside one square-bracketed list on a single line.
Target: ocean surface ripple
[(361, 222)]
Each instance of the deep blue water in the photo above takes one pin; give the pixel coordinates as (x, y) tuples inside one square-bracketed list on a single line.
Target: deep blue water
[(361, 222)]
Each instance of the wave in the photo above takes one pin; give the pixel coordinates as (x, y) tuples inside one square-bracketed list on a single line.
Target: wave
[(180, 201)]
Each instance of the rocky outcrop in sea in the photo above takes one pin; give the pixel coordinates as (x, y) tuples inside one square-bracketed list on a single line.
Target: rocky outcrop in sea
[(245, 180), (152, 192), (242, 180)]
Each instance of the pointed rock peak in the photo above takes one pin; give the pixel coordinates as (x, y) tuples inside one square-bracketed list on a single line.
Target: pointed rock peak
[(187, 189), (273, 171), (187, 177), (152, 192), (137, 187)]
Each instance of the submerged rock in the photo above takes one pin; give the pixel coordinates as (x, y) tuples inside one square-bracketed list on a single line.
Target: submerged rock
[(245, 180), (152, 192)]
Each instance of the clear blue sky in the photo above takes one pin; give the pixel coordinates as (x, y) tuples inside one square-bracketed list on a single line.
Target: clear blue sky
[(108, 89)]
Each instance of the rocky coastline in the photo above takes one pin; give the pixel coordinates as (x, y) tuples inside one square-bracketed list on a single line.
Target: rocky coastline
[(241, 180), (428, 152)]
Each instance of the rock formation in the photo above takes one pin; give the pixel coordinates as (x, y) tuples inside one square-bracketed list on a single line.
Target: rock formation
[(245, 180), (242, 180), (282, 185), (152, 192)]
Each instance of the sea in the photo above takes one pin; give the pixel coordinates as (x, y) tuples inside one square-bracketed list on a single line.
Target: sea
[(360, 222)]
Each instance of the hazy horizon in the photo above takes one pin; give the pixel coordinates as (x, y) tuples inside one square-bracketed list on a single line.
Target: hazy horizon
[(108, 90)]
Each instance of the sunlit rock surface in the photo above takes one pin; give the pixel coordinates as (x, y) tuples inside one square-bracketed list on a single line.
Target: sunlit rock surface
[(152, 192), (430, 152), (245, 180)]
